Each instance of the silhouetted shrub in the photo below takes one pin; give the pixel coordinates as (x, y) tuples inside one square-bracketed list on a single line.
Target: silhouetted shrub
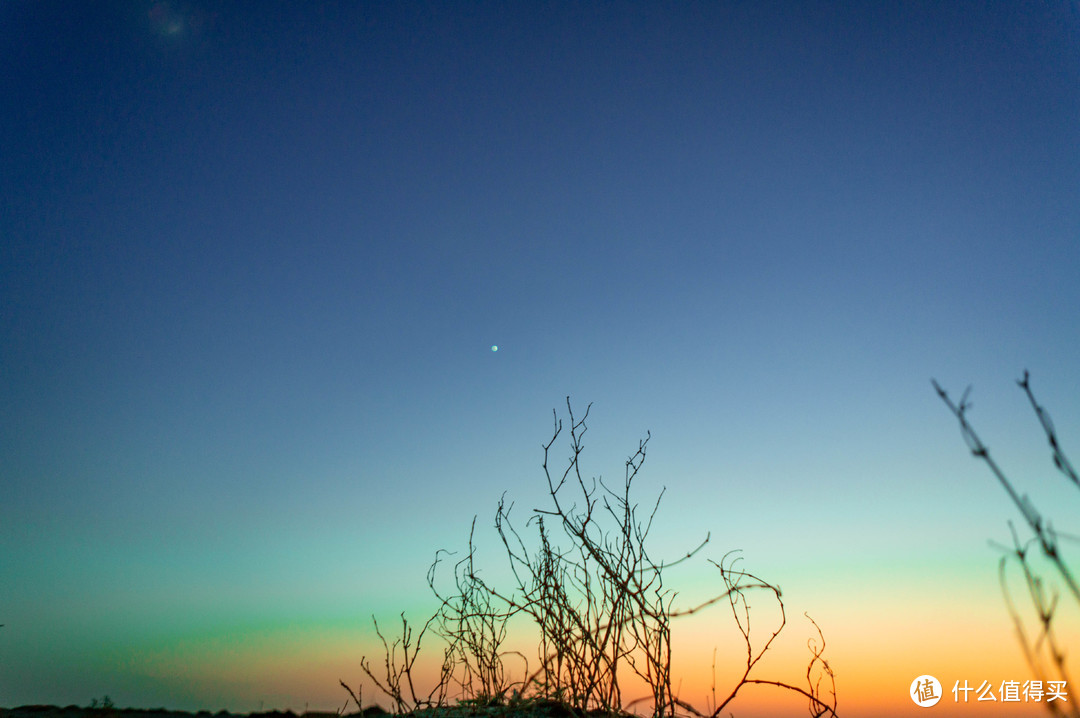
[(601, 606)]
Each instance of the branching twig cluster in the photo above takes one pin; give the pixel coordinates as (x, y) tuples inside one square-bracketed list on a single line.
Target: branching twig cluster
[(1044, 601), (474, 628), (739, 584), (397, 681), (601, 606)]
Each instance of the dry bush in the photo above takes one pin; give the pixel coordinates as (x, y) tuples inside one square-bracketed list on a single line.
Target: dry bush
[(1044, 647), (601, 606)]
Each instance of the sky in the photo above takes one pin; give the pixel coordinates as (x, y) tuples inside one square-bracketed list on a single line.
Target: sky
[(256, 257)]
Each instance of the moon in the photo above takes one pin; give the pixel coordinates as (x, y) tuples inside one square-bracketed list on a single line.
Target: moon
[(494, 347)]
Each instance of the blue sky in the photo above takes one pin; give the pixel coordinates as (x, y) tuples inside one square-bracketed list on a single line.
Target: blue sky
[(254, 259)]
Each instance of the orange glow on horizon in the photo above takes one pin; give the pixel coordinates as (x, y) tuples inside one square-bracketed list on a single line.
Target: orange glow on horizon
[(875, 650)]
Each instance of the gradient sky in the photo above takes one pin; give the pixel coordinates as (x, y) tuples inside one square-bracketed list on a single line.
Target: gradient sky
[(254, 257)]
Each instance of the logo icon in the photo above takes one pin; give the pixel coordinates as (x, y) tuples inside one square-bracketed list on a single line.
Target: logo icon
[(925, 691)]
